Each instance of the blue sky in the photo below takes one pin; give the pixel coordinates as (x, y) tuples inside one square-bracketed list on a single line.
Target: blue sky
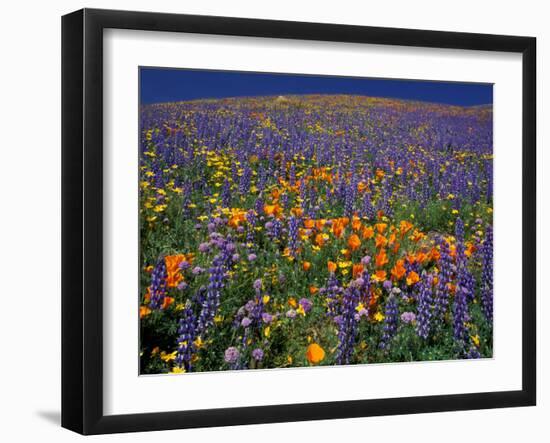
[(166, 85)]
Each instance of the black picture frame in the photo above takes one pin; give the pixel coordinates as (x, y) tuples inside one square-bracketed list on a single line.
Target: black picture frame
[(82, 216)]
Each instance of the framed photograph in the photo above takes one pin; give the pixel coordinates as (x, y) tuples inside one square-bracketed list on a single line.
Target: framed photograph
[(270, 221)]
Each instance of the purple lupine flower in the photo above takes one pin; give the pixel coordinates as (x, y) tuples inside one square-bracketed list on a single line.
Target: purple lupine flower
[(267, 318), (408, 317), (293, 236), (487, 276), (460, 251), (211, 302), (258, 354), (306, 304), (347, 327), (425, 300), (252, 257), (390, 322), (291, 313), (368, 209), (182, 285), (197, 270), (158, 284), (246, 322), (350, 194), (244, 182), (257, 284), (472, 353), (332, 291), (252, 220), (460, 313), (231, 355), (442, 296), (259, 206), (187, 334), (226, 194)]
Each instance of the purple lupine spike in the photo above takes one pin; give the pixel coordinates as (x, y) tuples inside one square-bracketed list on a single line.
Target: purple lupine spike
[(158, 284), (424, 316), (460, 314), (368, 208), (487, 276), (292, 175), (293, 236), (186, 338), (211, 301), (252, 220), (332, 291), (459, 234), (391, 318), (226, 194), (284, 200), (350, 194), (259, 206), (244, 182), (347, 324), (442, 292)]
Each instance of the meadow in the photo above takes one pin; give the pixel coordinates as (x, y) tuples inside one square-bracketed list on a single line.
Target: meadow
[(295, 231)]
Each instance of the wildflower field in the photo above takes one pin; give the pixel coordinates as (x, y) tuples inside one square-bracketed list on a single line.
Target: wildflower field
[(294, 231)]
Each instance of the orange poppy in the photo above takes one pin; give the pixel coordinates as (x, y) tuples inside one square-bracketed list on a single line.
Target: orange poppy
[(296, 211), (417, 236), (381, 241), (357, 270), (315, 353), (174, 276), (381, 227), (367, 232), (354, 242), (379, 275), (167, 302), (173, 262), (274, 210), (434, 254), (396, 247), (144, 311), (362, 186), (309, 223), (337, 228), (320, 240), (313, 290), (236, 219), (381, 259), (470, 249), (412, 278), (421, 257), (147, 296), (404, 227), (173, 279), (356, 223), (319, 224), (306, 266), (331, 266), (399, 271)]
